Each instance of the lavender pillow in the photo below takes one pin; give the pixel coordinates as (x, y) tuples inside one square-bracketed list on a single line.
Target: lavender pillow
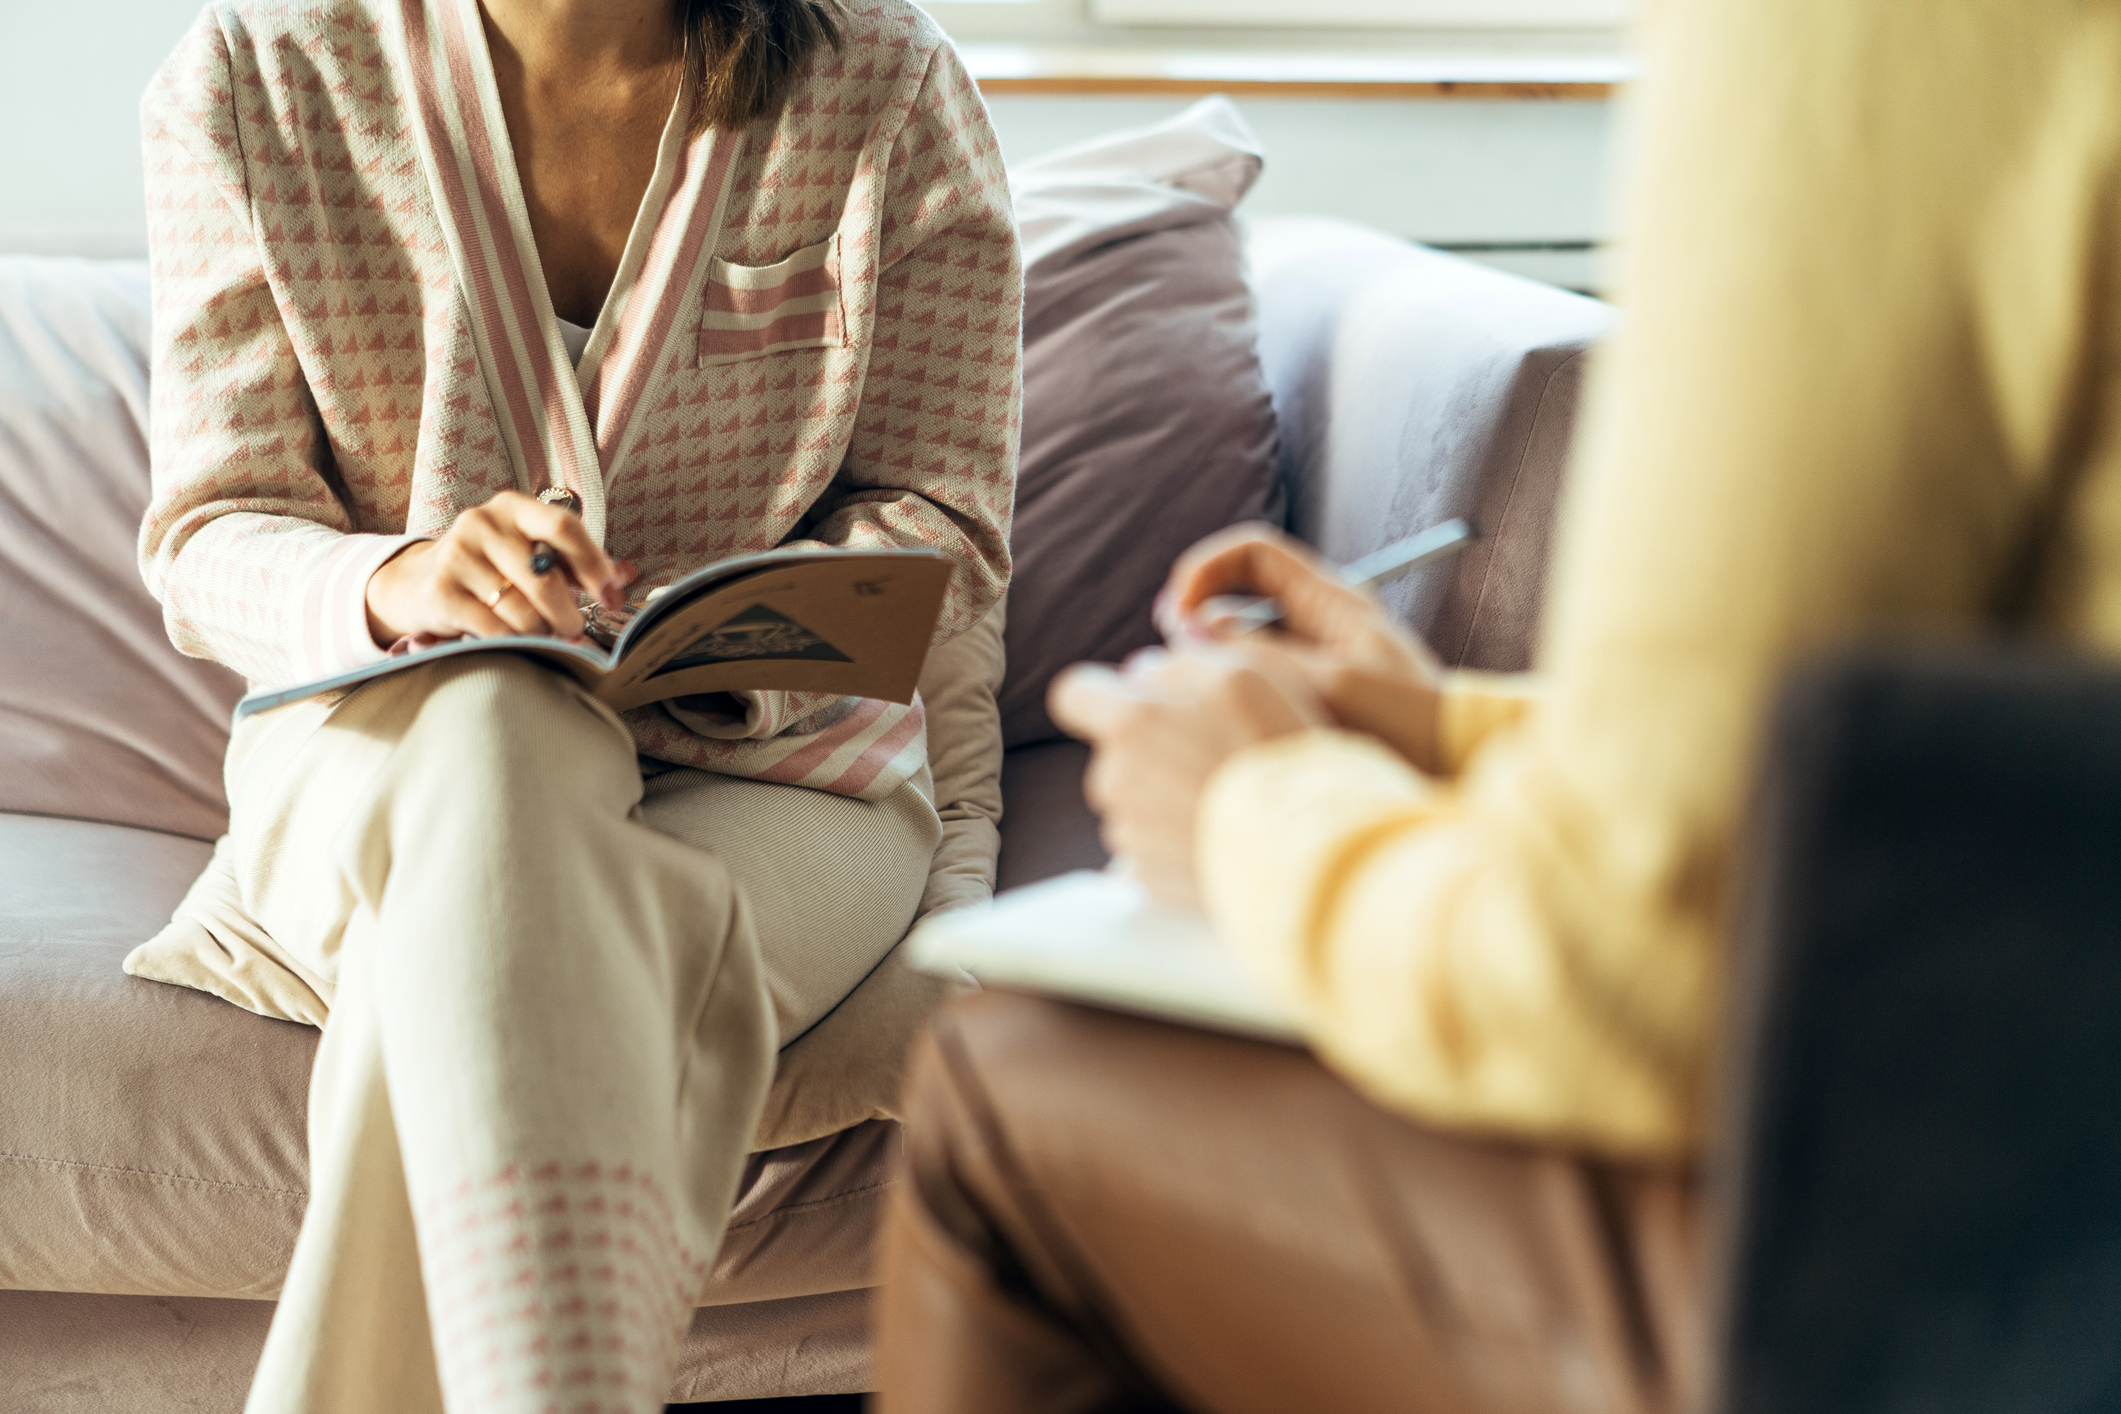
[(1147, 422)]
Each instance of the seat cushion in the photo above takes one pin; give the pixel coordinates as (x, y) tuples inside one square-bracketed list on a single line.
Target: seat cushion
[(1048, 828), (153, 1137), (68, 1353)]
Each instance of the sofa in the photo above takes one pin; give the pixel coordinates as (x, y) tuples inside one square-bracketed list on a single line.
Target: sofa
[(1407, 386)]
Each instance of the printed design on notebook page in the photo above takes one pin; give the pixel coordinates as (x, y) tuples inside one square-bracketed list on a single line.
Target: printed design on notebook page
[(757, 632)]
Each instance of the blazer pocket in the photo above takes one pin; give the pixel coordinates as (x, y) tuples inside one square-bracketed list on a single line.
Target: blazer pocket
[(763, 309)]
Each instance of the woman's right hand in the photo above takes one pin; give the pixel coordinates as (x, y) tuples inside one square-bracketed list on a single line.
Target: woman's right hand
[(476, 581), (1370, 673)]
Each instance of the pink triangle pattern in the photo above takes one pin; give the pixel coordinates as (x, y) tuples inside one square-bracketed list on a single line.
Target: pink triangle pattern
[(316, 378), (557, 1286)]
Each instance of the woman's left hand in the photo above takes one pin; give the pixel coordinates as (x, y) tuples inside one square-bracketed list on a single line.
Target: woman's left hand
[(1159, 728)]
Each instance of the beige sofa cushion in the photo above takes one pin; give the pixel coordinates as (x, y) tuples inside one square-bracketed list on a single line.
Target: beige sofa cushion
[(66, 1353), (151, 1140)]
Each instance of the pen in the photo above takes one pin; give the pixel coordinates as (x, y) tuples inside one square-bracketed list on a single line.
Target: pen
[(1241, 615), (542, 556)]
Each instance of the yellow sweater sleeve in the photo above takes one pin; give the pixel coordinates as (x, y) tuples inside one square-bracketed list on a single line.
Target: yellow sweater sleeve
[(1377, 900), (1866, 272), (1476, 706)]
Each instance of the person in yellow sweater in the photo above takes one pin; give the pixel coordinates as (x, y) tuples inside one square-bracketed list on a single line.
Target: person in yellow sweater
[(1866, 386)]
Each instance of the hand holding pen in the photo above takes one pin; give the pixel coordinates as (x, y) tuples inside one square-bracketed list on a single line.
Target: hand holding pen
[(494, 572), (1372, 675), (1235, 615), (1163, 726), (604, 613)]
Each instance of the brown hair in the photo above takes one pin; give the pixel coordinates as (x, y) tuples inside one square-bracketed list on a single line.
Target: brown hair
[(740, 54)]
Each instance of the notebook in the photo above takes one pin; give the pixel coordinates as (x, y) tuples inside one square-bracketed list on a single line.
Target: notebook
[(1099, 937), (856, 623)]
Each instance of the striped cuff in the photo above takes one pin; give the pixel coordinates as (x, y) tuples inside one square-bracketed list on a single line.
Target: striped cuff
[(763, 716), (334, 618)]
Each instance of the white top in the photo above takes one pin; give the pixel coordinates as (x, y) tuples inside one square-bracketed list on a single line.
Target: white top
[(575, 337)]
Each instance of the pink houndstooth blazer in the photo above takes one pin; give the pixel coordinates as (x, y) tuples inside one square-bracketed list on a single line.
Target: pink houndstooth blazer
[(814, 338)]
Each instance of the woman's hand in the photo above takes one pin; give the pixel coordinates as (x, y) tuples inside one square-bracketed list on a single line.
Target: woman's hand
[(1371, 674), (476, 580), (1160, 728)]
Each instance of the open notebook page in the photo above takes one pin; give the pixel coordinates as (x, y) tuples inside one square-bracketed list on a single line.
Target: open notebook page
[(1099, 937)]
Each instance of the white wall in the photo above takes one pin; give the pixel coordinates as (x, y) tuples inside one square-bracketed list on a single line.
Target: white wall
[(71, 75), (1452, 172)]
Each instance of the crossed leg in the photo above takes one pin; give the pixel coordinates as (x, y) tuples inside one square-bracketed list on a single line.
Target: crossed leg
[(550, 1038)]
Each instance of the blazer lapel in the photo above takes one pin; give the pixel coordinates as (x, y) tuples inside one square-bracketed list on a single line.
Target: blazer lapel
[(660, 278), (471, 171)]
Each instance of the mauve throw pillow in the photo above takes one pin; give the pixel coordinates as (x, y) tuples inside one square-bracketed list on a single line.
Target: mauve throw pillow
[(100, 717), (1147, 422)]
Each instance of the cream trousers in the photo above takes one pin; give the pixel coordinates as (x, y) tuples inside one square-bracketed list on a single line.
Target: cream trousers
[(556, 995)]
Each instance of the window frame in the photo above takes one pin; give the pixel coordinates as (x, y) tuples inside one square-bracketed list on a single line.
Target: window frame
[(1411, 15), (1325, 22)]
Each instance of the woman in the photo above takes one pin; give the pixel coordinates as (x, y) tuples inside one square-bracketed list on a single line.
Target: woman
[(1866, 388), (654, 282)]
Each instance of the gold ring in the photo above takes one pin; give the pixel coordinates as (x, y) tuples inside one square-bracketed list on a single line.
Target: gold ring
[(494, 599)]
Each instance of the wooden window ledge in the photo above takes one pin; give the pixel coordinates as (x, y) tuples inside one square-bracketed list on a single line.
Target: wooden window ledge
[(1099, 71)]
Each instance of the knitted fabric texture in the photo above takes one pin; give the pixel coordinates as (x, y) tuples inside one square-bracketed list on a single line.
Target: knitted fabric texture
[(318, 394)]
